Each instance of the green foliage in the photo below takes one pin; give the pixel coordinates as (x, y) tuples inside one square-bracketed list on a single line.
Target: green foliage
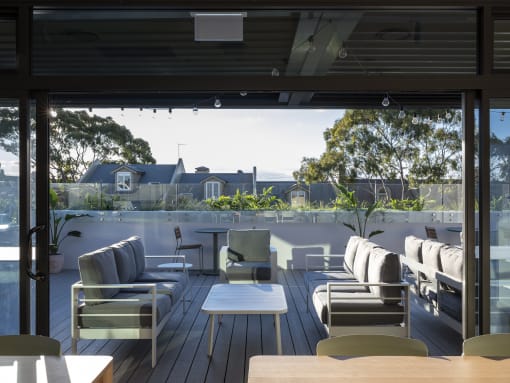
[(406, 204), (246, 201), (57, 224), (376, 144), (349, 201)]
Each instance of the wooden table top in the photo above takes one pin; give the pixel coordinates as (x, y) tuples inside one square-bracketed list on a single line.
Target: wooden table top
[(380, 369), (53, 369)]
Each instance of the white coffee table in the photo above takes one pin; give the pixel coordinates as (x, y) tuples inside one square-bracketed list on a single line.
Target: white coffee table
[(245, 299)]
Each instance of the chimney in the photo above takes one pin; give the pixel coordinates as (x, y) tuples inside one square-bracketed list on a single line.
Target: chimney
[(254, 180), (201, 170)]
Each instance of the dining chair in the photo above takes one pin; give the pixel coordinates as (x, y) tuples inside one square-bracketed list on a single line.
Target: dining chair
[(29, 345), (487, 345), (371, 345), (180, 245)]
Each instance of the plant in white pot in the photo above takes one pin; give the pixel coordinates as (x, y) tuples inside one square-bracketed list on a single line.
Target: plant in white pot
[(57, 233)]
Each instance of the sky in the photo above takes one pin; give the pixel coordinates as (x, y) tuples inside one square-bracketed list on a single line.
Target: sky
[(228, 140)]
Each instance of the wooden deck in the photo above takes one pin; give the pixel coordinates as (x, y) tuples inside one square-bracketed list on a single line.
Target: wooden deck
[(182, 346)]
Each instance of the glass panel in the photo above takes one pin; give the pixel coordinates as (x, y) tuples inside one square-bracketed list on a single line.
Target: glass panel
[(500, 216), (7, 43), (502, 45), (274, 43), (9, 218)]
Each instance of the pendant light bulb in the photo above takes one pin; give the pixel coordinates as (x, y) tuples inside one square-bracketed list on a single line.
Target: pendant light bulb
[(401, 113), (386, 101), (502, 117), (414, 121), (342, 52), (195, 110), (217, 103), (53, 113)]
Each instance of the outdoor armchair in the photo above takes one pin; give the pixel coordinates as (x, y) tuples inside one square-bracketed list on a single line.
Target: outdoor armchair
[(248, 257)]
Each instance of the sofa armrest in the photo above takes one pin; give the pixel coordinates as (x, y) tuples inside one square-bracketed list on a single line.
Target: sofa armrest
[(223, 256), (79, 286), (403, 298), (325, 257), (274, 264), (448, 280), (427, 271)]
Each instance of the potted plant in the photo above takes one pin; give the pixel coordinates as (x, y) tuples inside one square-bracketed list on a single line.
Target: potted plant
[(57, 233), (361, 215)]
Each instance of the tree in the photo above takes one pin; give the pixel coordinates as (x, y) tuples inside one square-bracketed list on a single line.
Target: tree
[(377, 145)]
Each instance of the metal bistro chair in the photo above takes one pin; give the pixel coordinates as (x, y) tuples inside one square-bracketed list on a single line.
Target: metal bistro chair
[(371, 345), (431, 232), (26, 345), (497, 345), (179, 245)]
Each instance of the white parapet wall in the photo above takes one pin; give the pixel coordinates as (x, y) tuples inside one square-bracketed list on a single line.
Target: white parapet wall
[(307, 233)]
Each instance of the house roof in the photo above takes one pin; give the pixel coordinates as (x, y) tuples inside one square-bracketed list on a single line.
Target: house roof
[(151, 173), (196, 178)]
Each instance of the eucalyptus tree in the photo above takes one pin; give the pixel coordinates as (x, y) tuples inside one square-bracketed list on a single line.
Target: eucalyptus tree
[(379, 145)]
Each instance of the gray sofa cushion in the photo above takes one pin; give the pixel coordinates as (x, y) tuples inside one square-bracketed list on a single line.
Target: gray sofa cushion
[(161, 276), (139, 253), (98, 267), (125, 261), (173, 289), (413, 248), (350, 252), (377, 312), (316, 286), (163, 303), (384, 266), (452, 261), (251, 271), (249, 245), (430, 253), (361, 260)]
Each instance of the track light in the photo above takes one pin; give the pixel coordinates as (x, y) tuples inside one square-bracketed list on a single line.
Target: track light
[(448, 115), (53, 113), (386, 101), (502, 117), (90, 110), (243, 93), (401, 113), (311, 45), (217, 103), (275, 72), (342, 52), (414, 121)]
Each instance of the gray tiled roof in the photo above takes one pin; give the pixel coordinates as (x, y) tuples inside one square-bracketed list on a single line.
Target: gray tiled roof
[(150, 173), (196, 178)]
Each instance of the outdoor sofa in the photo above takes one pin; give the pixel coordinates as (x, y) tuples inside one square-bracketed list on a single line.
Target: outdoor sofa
[(119, 298), (366, 296), (437, 277)]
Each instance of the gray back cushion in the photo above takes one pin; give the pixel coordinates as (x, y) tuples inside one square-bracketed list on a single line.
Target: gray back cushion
[(98, 267), (430, 254), (361, 260), (452, 261), (139, 253), (350, 252), (384, 267), (413, 248), (125, 261), (250, 245)]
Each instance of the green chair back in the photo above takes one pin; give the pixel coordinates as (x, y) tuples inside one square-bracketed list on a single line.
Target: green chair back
[(371, 345), (29, 345), (487, 345)]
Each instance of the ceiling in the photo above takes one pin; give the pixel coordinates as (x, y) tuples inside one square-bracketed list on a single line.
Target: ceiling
[(275, 44)]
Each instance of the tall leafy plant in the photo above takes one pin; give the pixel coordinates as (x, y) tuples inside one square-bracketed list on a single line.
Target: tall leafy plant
[(58, 223), (361, 214)]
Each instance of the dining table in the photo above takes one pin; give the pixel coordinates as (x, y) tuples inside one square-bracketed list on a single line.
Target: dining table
[(56, 369), (215, 231), (378, 369)]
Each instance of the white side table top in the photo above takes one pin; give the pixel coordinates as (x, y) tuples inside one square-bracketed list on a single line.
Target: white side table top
[(245, 299), (175, 265)]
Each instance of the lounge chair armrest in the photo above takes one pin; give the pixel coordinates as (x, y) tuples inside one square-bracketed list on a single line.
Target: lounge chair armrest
[(448, 280), (309, 257), (429, 272)]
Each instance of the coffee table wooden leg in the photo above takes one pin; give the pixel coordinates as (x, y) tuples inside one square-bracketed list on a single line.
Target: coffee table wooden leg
[(278, 334), (211, 335)]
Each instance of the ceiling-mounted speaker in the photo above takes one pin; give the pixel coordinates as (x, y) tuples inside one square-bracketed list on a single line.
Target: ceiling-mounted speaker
[(219, 26)]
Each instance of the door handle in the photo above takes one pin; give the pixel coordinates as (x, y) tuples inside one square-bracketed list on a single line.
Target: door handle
[(37, 276)]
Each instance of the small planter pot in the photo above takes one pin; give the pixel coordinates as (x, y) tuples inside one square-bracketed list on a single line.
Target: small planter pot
[(56, 263)]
